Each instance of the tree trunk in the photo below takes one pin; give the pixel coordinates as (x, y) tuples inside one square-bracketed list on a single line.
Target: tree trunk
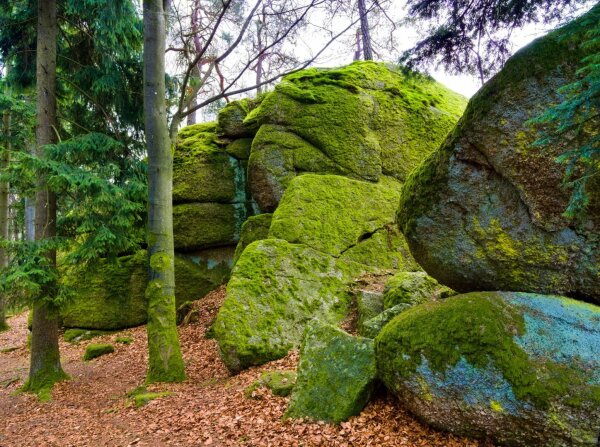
[(45, 368), (364, 27), (358, 50), (165, 363), (4, 188)]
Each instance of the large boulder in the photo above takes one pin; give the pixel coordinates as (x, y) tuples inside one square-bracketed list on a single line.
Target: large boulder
[(336, 375), (521, 369), (327, 230), (363, 120), (485, 212), (275, 289), (110, 296)]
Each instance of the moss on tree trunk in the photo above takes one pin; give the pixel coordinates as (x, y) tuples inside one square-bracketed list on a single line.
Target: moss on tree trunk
[(165, 363)]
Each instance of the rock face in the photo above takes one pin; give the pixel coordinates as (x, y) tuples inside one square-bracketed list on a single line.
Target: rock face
[(275, 288), (521, 369), (336, 375), (485, 212), (112, 296), (413, 288), (361, 121), (327, 230)]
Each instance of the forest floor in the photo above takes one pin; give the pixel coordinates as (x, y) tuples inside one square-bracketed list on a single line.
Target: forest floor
[(209, 409)]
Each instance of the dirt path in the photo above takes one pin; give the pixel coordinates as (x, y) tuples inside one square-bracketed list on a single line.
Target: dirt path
[(92, 409)]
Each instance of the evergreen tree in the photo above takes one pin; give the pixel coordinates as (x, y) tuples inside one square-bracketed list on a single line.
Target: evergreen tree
[(474, 37)]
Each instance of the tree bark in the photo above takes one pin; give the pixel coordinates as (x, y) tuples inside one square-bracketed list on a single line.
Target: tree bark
[(4, 188), (45, 368), (366, 34), (165, 362)]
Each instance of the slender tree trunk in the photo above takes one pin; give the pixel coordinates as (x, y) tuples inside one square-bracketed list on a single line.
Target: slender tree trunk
[(45, 368), (260, 25), (4, 188), (165, 363), (358, 51), (364, 27)]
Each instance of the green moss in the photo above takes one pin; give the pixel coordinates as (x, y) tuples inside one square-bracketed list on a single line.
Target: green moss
[(368, 305), (111, 296), (371, 328), (201, 168), (165, 363), (281, 383), (202, 225), (336, 375), (240, 149), (275, 289), (413, 288), (4, 326), (124, 339), (43, 382), (93, 350), (77, 335), (141, 396), (254, 229), (231, 118), (333, 213), (480, 328), (391, 119)]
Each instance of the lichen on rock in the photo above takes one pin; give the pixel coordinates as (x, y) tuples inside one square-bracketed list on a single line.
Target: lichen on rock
[(521, 369)]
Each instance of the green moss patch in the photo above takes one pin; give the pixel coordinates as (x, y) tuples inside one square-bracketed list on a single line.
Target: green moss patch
[(413, 288), (77, 335), (336, 375), (93, 351), (140, 396), (202, 225), (281, 383), (254, 228)]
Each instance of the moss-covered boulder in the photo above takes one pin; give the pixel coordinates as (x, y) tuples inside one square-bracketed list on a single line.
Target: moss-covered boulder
[(369, 304), (346, 218), (372, 327), (93, 351), (111, 296), (275, 289), (202, 225), (486, 210), (336, 375), (413, 288), (254, 228), (362, 120), (230, 120), (521, 369), (202, 169)]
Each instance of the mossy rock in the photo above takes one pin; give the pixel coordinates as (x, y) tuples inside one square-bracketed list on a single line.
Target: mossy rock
[(413, 288), (336, 375), (486, 211), (281, 383), (275, 289), (517, 368), (362, 120), (203, 225), (371, 328), (346, 218), (76, 335), (254, 228), (111, 296), (369, 304), (93, 351), (230, 120), (202, 170), (240, 149)]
